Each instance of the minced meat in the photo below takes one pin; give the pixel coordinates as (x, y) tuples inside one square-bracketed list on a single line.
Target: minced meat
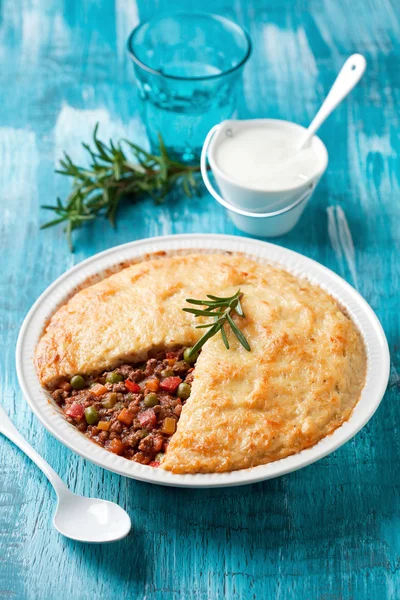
[(133, 410)]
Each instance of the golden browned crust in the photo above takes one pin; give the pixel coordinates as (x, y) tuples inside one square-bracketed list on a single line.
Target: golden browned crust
[(299, 383)]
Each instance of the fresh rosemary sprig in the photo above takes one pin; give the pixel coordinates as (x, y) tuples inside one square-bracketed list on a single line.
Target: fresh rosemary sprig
[(221, 309), (112, 175)]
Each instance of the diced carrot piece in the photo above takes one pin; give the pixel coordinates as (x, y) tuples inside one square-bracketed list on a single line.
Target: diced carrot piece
[(126, 417), (98, 390), (116, 446), (171, 361), (103, 425), (169, 426), (152, 385)]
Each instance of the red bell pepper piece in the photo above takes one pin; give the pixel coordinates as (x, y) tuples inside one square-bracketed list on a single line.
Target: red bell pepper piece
[(154, 463), (170, 384), (147, 418), (76, 411), (133, 387)]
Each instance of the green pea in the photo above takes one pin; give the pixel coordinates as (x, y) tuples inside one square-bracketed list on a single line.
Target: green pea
[(183, 391), (114, 377), (110, 400), (150, 400), (190, 359), (91, 415), (167, 373), (77, 382)]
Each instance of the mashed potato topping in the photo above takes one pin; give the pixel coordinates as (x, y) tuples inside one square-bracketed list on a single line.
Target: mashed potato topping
[(299, 383)]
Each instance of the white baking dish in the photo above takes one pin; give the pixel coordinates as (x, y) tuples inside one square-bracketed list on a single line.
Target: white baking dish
[(60, 290)]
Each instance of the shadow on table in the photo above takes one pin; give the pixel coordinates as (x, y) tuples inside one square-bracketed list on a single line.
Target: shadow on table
[(121, 561)]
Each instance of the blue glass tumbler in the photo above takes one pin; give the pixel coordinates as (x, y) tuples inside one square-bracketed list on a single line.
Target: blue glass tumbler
[(188, 67)]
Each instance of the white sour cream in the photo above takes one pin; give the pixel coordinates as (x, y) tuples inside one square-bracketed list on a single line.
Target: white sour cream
[(265, 158)]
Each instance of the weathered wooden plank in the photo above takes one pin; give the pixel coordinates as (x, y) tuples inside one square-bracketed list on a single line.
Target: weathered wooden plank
[(330, 531)]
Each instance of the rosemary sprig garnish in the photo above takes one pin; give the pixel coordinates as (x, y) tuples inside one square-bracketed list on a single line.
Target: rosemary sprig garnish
[(221, 309), (112, 175)]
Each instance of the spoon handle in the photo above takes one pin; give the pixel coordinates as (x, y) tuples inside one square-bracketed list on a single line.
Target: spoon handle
[(8, 429), (349, 75)]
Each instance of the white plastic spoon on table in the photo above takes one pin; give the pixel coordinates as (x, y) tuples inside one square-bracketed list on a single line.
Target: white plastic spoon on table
[(83, 519), (349, 75)]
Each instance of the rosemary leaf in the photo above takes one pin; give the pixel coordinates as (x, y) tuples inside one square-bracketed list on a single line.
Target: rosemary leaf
[(199, 302), (51, 223), (239, 308), (200, 313), (238, 333), (224, 337)]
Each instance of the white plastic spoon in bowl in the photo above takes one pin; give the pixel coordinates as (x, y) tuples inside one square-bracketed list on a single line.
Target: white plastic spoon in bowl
[(349, 75), (83, 519)]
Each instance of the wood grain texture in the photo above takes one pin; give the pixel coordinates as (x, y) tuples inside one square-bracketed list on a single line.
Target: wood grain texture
[(330, 531)]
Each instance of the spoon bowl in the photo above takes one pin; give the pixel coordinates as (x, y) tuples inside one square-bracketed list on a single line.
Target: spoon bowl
[(90, 519)]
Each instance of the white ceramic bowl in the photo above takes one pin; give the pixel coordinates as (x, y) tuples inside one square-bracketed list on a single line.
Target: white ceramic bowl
[(352, 302)]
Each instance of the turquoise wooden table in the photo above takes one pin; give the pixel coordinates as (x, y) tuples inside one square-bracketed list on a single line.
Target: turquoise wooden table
[(330, 531)]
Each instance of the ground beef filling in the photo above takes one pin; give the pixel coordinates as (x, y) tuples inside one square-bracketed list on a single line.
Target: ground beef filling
[(133, 410)]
